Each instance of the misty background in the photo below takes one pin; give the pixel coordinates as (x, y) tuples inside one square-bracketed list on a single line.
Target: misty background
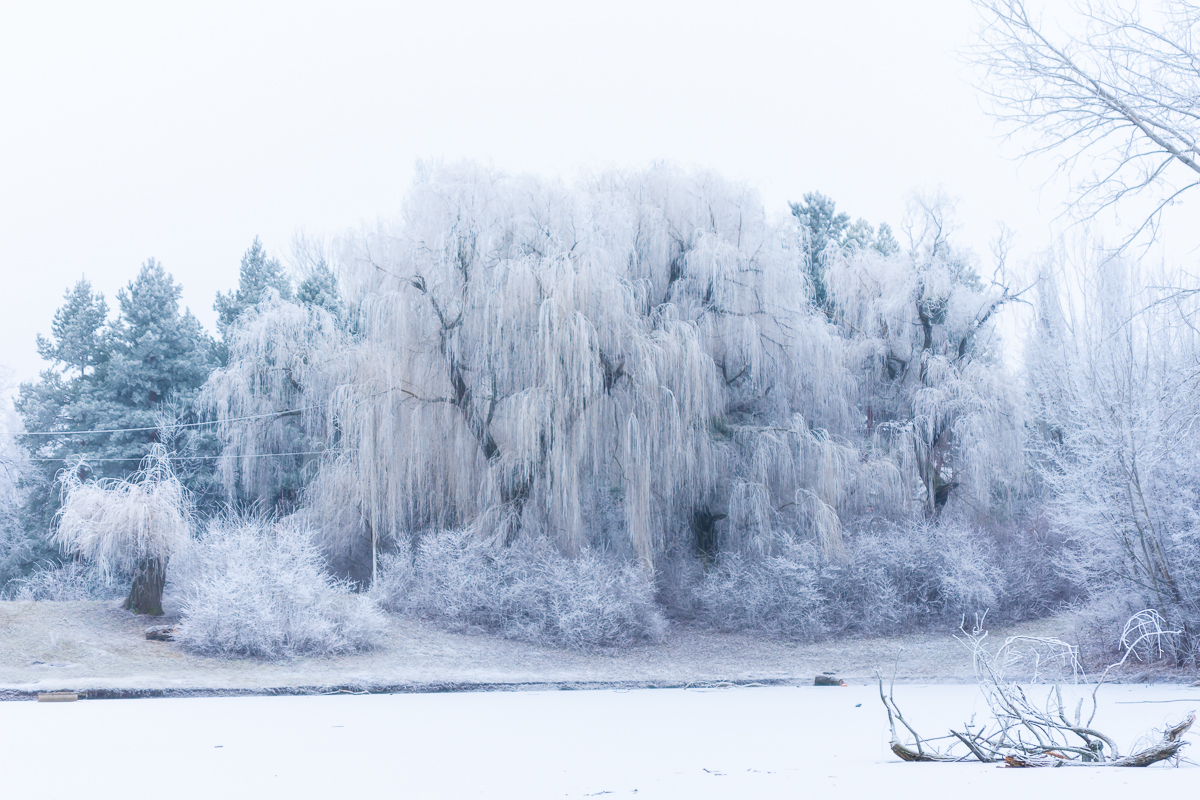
[(182, 132)]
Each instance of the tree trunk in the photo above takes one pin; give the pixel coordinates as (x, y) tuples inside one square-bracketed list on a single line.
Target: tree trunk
[(145, 596)]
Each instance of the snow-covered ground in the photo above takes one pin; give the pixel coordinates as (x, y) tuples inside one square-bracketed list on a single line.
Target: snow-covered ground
[(770, 742), (97, 647)]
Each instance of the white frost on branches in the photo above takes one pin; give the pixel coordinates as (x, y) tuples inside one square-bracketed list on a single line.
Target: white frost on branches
[(630, 364), (1114, 369), (119, 524)]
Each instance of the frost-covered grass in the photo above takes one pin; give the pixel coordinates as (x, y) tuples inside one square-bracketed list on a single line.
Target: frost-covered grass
[(249, 587), (675, 744), (528, 591)]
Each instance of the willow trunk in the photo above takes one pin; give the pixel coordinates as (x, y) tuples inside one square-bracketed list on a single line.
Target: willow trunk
[(145, 596)]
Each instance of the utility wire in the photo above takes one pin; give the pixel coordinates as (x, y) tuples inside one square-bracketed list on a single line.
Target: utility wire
[(87, 460), (180, 425)]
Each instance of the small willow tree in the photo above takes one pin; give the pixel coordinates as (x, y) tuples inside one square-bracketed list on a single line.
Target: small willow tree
[(128, 526)]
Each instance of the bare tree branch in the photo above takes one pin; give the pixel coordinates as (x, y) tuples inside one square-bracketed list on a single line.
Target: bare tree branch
[(1119, 101)]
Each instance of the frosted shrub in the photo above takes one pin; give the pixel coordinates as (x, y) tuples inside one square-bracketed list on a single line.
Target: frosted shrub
[(257, 588), (528, 591), (893, 578), (775, 594), (1110, 628), (71, 581), (1029, 553), (901, 577)]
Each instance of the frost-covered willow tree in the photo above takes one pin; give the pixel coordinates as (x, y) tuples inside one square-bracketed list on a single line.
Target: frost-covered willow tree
[(631, 364), (920, 331), (1115, 371), (271, 401), (131, 526)]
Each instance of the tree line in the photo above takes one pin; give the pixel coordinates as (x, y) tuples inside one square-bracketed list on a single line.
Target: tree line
[(646, 381)]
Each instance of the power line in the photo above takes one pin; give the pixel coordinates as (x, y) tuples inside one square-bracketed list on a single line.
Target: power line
[(87, 460), (159, 427)]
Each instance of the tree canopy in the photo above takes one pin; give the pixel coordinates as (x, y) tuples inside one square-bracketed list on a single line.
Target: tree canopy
[(141, 370)]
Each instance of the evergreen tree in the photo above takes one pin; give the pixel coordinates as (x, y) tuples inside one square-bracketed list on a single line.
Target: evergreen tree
[(76, 343), (65, 398), (885, 243), (138, 372), (258, 273), (860, 235), (159, 360), (822, 224), (319, 289), (156, 352)]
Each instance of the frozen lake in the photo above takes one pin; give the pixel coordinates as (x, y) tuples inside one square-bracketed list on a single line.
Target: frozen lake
[(777, 742)]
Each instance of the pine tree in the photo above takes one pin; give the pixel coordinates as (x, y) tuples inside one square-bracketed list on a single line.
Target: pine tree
[(258, 274), (159, 360), (139, 371), (156, 352), (76, 343), (65, 398), (822, 224), (319, 289), (885, 242)]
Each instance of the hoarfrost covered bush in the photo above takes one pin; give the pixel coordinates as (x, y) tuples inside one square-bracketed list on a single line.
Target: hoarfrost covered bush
[(776, 594), (888, 579), (900, 577), (257, 588), (70, 581), (528, 591), (1029, 552), (1097, 626)]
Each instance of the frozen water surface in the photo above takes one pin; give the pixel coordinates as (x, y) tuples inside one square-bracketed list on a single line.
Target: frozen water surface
[(774, 742)]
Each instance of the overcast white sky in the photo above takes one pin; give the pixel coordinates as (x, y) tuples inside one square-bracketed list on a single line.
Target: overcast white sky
[(181, 131)]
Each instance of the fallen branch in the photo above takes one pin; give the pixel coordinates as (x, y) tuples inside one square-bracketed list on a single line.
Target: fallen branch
[(906, 753), (1022, 734), (1169, 747)]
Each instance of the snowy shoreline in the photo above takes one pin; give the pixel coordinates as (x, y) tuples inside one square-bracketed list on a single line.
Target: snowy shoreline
[(100, 651)]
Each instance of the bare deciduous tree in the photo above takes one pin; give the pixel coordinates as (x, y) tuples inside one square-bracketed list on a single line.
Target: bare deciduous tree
[(1118, 99), (1114, 380)]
